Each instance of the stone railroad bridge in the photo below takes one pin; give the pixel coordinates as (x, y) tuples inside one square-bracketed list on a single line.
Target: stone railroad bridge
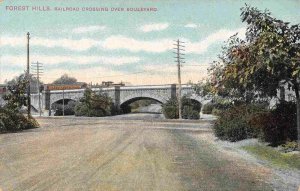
[(121, 96)]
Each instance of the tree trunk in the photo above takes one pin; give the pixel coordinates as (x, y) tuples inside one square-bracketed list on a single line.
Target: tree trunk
[(298, 114)]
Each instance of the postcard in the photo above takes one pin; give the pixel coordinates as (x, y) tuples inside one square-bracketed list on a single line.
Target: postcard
[(149, 95)]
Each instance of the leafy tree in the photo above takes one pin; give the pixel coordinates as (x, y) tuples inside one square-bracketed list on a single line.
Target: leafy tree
[(33, 82), (11, 118), (257, 66), (93, 104), (65, 79), (16, 98)]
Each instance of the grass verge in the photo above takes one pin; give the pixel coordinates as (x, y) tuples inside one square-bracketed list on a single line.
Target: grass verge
[(288, 160)]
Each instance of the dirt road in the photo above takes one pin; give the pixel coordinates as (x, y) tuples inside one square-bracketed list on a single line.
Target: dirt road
[(101, 154)]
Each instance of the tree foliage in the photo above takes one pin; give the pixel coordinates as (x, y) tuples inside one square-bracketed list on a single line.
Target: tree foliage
[(11, 118), (257, 66), (65, 79), (190, 108), (16, 98), (33, 82), (94, 105)]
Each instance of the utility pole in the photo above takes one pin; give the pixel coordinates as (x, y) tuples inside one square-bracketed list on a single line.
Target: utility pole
[(38, 71), (179, 60), (28, 79), (63, 106)]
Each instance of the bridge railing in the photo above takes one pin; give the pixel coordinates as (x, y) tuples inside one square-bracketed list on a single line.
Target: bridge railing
[(125, 88)]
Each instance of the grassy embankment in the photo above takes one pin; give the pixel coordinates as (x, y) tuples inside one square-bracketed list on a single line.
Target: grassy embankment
[(277, 158)]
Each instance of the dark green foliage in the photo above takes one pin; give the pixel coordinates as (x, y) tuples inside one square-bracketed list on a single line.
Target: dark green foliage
[(255, 67), (253, 120), (195, 105), (190, 109), (217, 106), (170, 109), (232, 130), (11, 119), (207, 108), (16, 98), (33, 82), (81, 109), (94, 105), (189, 113), (233, 123), (277, 126)]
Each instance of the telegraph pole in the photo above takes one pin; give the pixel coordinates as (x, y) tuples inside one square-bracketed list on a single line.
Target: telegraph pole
[(38, 68), (179, 48), (28, 79), (63, 110)]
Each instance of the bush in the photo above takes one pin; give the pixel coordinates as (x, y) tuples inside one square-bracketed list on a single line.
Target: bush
[(233, 123), (12, 121), (216, 112), (207, 108), (190, 109), (81, 109), (94, 105), (233, 130), (189, 113), (278, 125), (273, 126), (170, 111)]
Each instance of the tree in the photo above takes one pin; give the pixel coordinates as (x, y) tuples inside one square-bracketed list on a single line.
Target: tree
[(65, 79), (11, 118), (268, 58), (16, 98), (33, 82), (94, 105)]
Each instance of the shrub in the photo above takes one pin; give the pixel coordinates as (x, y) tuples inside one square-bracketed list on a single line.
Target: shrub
[(81, 109), (207, 108), (216, 112), (189, 113), (12, 121), (233, 130), (190, 109), (278, 125), (94, 105), (233, 123), (273, 126), (170, 111)]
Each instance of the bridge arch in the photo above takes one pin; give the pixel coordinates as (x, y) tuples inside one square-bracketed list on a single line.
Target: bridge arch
[(131, 100), (60, 101), (125, 105)]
